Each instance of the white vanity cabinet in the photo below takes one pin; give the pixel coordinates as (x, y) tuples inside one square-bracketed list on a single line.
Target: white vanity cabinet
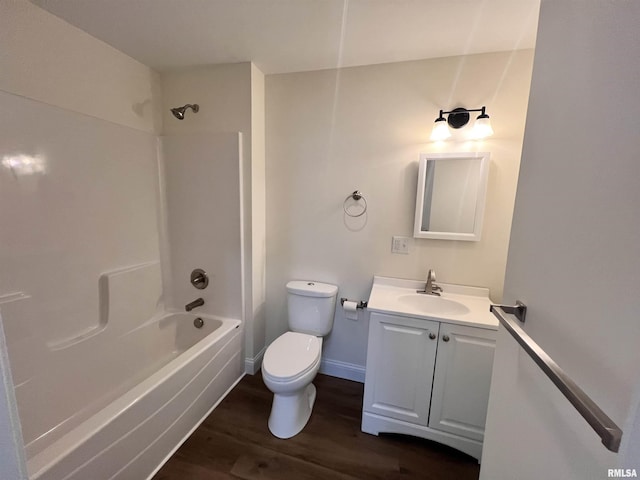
[(429, 379)]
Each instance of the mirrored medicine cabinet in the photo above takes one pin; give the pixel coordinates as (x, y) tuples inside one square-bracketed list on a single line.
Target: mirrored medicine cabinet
[(451, 195)]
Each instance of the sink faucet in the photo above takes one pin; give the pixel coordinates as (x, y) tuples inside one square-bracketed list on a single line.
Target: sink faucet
[(430, 287), (198, 302)]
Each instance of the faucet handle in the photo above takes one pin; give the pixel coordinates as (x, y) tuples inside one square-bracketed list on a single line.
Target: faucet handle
[(431, 275)]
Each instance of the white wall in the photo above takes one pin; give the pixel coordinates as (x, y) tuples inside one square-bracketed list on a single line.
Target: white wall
[(231, 99), (331, 132), (574, 257), (47, 59), (222, 91)]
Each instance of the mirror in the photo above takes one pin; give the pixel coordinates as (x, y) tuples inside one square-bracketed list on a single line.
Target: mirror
[(451, 195)]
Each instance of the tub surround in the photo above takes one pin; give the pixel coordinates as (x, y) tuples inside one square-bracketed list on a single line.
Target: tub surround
[(80, 196), (202, 186)]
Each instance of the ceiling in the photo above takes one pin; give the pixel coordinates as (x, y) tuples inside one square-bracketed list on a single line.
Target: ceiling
[(297, 35)]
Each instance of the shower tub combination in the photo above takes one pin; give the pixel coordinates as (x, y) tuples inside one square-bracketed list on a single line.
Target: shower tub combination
[(115, 400), (107, 381)]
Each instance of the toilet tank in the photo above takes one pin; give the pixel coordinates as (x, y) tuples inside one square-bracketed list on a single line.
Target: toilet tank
[(311, 306)]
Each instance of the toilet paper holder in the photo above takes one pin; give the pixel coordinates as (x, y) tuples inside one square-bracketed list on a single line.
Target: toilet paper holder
[(360, 304)]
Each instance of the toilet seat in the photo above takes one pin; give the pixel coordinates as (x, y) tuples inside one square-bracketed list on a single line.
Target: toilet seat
[(291, 356)]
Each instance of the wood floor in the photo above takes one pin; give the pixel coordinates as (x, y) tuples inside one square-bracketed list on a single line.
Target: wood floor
[(234, 442)]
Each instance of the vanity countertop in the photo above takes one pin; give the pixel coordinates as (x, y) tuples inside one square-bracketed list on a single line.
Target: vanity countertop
[(457, 304)]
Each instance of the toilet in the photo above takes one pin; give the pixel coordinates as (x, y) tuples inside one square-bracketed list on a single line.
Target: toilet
[(292, 361)]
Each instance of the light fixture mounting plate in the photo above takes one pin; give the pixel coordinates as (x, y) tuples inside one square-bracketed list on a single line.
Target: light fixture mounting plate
[(458, 117)]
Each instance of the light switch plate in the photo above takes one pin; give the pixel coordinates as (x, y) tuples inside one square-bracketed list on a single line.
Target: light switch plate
[(400, 245)]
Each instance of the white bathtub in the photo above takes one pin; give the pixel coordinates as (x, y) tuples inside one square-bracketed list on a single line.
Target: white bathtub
[(130, 438)]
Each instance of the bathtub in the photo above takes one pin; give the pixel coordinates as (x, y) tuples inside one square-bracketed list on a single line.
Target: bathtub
[(132, 436)]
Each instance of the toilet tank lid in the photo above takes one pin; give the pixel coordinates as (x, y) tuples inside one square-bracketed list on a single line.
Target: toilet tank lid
[(311, 289)]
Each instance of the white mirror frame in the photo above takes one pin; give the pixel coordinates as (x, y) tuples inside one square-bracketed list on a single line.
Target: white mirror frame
[(480, 203)]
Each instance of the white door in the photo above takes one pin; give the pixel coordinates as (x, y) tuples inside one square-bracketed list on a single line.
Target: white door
[(574, 256), (400, 359), (461, 380)]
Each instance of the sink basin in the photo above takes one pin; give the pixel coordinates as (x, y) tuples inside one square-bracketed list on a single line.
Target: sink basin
[(459, 304), (434, 305)]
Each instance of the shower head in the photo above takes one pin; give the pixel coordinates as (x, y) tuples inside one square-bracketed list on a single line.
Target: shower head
[(178, 112)]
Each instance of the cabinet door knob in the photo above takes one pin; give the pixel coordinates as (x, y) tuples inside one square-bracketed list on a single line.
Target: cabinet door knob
[(432, 335), (445, 338)]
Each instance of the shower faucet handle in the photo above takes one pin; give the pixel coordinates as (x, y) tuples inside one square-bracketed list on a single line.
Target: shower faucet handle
[(199, 279)]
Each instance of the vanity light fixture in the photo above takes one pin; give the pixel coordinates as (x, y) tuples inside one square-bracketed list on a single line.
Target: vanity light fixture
[(458, 118)]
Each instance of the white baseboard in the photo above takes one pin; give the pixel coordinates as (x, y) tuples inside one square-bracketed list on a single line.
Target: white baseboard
[(349, 371), (252, 365)]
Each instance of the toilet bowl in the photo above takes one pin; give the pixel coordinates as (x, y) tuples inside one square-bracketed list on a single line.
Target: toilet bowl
[(289, 366), (292, 361)]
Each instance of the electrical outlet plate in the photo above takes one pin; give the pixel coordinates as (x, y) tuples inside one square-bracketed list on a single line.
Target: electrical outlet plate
[(400, 245)]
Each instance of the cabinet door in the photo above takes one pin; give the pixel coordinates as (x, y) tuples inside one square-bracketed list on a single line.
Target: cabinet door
[(400, 360), (462, 379)]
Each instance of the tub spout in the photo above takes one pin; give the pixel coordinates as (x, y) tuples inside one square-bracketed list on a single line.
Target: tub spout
[(198, 302)]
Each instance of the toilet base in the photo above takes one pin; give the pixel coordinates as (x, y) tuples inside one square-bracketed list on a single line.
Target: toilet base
[(291, 412)]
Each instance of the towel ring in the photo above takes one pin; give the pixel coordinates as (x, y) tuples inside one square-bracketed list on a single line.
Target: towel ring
[(357, 196)]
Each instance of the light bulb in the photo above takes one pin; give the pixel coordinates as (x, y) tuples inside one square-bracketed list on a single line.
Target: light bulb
[(440, 130), (482, 127)]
